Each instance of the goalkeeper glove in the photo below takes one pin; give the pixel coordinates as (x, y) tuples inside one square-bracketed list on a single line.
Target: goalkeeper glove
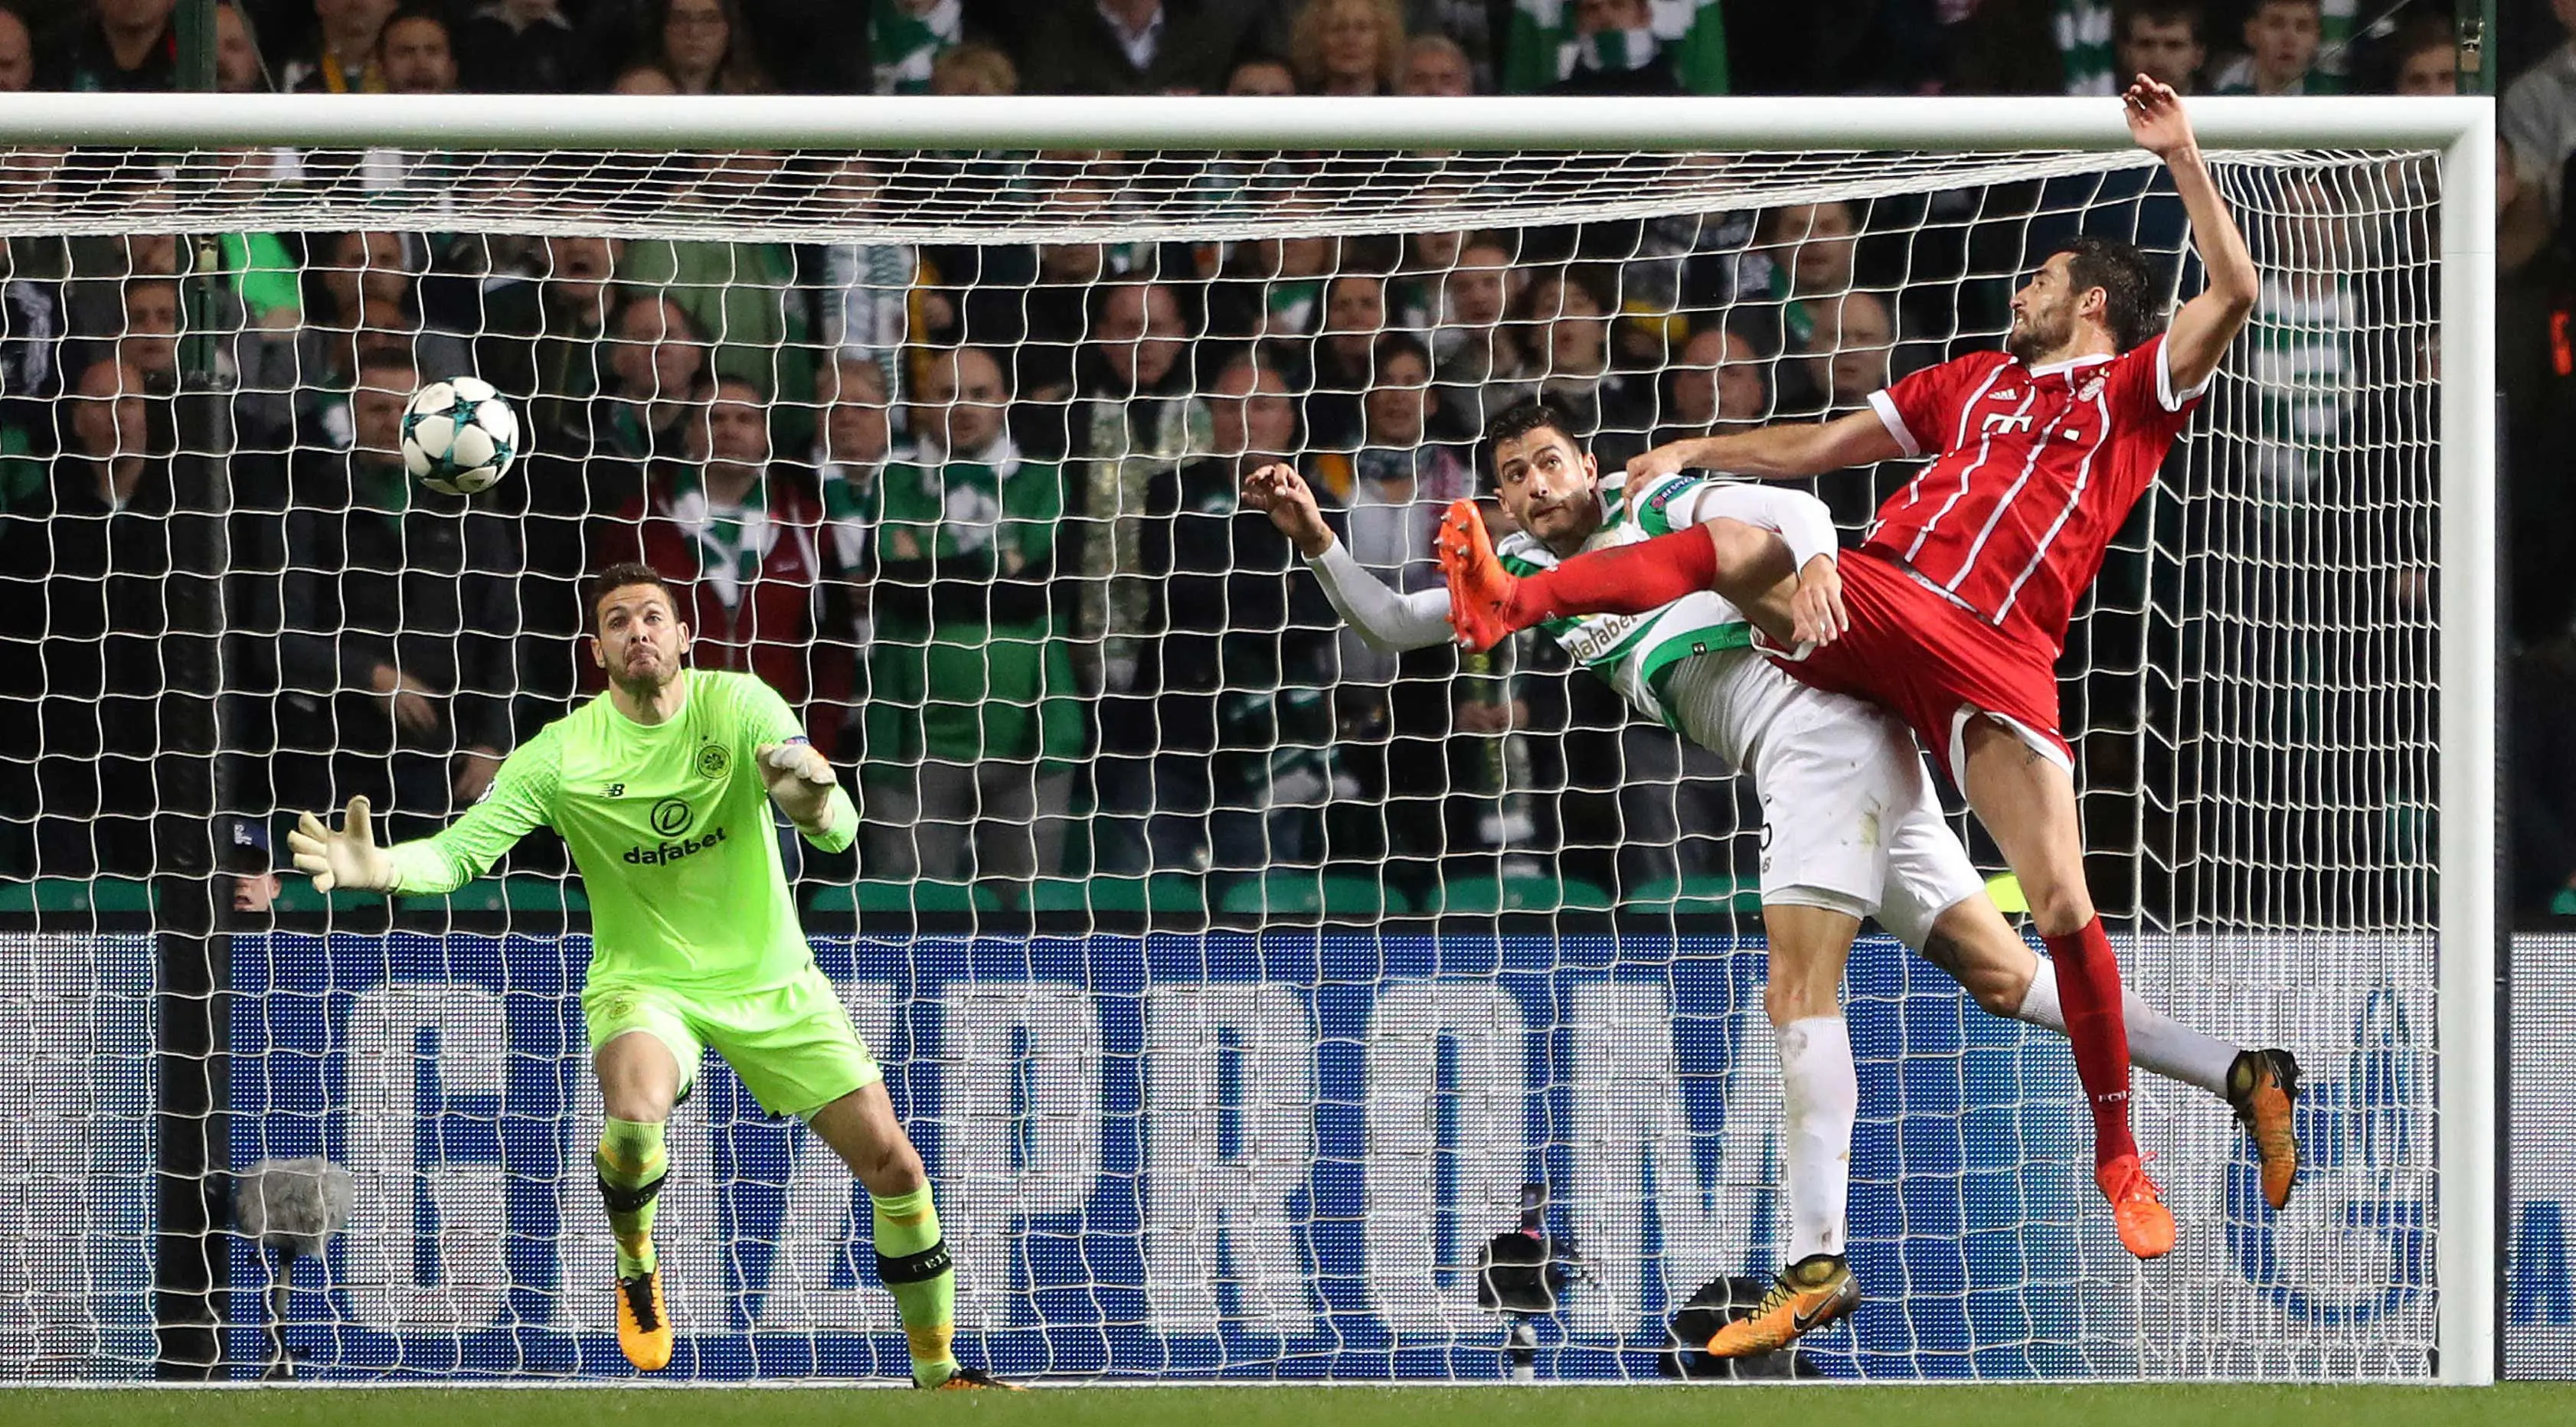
[(347, 858), (781, 763)]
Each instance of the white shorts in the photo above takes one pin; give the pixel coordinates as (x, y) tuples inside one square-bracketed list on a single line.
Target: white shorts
[(1850, 822)]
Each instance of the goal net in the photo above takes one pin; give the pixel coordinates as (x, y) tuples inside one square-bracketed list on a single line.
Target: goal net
[(1233, 977)]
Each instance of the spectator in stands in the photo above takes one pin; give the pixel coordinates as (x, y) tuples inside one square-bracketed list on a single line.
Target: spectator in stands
[(2538, 113), (540, 341), (743, 540), (1468, 24), (1848, 356), (1245, 664), (1131, 46), (1435, 65), (378, 587), (240, 67), (148, 339), (972, 720), (658, 362), (2536, 374), (869, 289), (414, 53), (1338, 360), (82, 608), (1131, 420), (129, 45), (1718, 385), (1616, 47), (523, 47), (1810, 249), (2281, 41), (1348, 48), (906, 39), (1401, 479), (849, 460), (17, 53), (344, 58), (1261, 76), (739, 292), (705, 49), (2161, 39), (2427, 61), (1567, 313), (1475, 354), (975, 69)]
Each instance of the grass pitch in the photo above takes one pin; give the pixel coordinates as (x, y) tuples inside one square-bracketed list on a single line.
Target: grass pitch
[(1816, 1405)]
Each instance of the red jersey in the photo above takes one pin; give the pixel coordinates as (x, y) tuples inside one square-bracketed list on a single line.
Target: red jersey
[(2036, 468)]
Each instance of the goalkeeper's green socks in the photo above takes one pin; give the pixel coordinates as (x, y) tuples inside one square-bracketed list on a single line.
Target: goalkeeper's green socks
[(631, 1163), (912, 1262)]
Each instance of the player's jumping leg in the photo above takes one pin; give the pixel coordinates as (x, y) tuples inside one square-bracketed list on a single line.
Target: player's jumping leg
[(1972, 942), (912, 1256), (1487, 602), (2028, 803), (1820, 1098), (638, 1081)]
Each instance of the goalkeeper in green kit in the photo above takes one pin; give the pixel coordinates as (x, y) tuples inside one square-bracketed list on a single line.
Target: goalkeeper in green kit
[(662, 788)]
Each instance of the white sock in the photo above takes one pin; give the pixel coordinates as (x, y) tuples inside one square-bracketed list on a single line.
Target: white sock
[(2157, 1042), (1820, 1097)]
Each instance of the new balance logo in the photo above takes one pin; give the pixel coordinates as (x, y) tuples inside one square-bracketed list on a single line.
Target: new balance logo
[(617, 790)]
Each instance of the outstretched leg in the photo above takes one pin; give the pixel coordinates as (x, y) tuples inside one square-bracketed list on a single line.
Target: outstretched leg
[(1972, 942), (1749, 565), (639, 1080), (912, 1255)]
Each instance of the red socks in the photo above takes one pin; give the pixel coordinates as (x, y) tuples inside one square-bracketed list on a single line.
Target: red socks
[(2088, 986), (1624, 579)]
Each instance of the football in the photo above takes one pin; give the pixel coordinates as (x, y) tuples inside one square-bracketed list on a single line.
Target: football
[(459, 436)]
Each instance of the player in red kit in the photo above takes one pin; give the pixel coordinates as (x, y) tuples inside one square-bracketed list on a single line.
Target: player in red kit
[(1954, 611)]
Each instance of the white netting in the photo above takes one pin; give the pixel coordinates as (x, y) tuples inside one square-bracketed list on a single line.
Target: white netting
[(1092, 713)]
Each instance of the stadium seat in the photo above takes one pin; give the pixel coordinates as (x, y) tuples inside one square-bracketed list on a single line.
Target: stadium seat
[(101, 895), (1171, 892), (1306, 896), (1691, 895), (904, 897), (2564, 904), (1486, 896)]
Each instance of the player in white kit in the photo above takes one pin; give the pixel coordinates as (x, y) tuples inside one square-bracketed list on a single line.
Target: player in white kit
[(1852, 828)]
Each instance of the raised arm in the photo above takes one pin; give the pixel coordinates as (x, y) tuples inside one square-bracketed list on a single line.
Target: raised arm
[(521, 792), (1384, 618), (2202, 330), (1789, 451)]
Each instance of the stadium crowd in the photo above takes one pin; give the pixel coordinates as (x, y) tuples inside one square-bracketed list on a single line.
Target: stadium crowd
[(973, 508)]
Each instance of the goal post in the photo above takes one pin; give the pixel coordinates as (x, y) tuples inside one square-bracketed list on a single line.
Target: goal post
[(599, 165)]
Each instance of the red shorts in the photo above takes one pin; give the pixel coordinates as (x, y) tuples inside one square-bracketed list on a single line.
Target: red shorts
[(1932, 663)]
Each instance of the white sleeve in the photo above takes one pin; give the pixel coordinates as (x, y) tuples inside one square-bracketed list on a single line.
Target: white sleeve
[(1801, 520), (1385, 619)]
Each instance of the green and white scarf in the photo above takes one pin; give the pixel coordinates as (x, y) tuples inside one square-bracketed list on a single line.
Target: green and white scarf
[(731, 541)]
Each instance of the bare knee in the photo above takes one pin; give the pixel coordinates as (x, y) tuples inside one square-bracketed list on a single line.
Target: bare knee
[(2060, 908), (1973, 944)]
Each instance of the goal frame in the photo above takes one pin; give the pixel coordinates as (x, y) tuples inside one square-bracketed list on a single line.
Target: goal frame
[(2469, 1143)]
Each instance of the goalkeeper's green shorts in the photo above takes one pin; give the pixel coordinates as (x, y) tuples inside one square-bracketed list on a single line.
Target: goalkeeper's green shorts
[(793, 1045)]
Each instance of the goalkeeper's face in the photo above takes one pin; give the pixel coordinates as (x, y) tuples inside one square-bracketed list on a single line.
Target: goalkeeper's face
[(641, 640), (1549, 487)]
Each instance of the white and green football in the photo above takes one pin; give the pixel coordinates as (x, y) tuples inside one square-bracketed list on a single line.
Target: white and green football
[(459, 436)]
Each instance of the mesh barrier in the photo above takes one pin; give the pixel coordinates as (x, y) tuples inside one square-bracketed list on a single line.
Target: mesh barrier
[(946, 449)]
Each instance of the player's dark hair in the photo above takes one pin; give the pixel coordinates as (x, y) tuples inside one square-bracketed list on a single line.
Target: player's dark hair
[(626, 574), (2120, 270), (1513, 422)]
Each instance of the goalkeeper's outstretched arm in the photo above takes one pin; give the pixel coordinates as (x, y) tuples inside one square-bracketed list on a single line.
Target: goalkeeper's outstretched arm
[(520, 799), (1384, 619)]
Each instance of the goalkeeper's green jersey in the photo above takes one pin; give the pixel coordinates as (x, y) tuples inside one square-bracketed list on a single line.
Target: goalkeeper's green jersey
[(670, 826)]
